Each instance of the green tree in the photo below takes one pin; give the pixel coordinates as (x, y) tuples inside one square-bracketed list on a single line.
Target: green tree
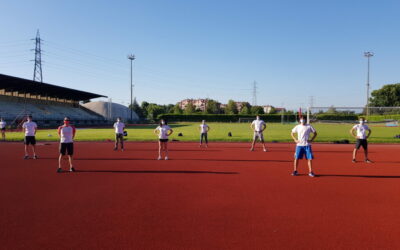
[(136, 108), (273, 111), (212, 107), (246, 109), (257, 110), (177, 109), (153, 110), (169, 109), (144, 106), (231, 108), (387, 96), (190, 109), (331, 110)]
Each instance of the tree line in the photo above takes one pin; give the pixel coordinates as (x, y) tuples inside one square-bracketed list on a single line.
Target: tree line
[(151, 111)]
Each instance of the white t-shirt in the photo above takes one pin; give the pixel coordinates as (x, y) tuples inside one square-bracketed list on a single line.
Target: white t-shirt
[(203, 128), (258, 125), (3, 124), (119, 127), (30, 128), (303, 133), (66, 134), (361, 131), (163, 131)]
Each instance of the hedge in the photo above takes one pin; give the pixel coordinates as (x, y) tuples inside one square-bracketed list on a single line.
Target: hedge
[(223, 117), (377, 118), (336, 117)]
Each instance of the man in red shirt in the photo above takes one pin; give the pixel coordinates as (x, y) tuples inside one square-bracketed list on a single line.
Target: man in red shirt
[(67, 134)]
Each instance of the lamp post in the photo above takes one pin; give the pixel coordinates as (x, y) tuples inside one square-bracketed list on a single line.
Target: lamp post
[(368, 55), (131, 57)]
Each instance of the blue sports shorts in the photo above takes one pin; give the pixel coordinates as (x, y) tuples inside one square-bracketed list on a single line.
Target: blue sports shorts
[(304, 150)]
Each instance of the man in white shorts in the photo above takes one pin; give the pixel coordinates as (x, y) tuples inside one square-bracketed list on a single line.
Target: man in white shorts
[(258, 126), (3, 129), (204, 128), (361, 137), (67, 134), (119, 134), (29, 128), (303, 145)]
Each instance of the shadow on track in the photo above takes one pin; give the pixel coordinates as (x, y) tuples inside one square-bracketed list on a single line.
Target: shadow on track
[(361, 176), (173, 159), (153, 172)]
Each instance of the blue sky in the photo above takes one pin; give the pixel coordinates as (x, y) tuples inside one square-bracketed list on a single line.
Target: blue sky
[(215, 49)]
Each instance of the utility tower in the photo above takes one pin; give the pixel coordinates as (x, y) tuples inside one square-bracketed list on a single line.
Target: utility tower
[(368, 55), (254, 93), (37, 71)]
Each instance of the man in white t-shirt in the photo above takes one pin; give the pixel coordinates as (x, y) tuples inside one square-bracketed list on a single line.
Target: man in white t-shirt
[(3, 129), (67, 135), (361, 137), (29, 128), (258, 126), (303, 145), (119, 127), (204, 128)]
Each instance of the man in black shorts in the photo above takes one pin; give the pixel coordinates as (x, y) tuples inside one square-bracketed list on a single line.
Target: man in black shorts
[(30, 128), (67, 134), (361, 137)]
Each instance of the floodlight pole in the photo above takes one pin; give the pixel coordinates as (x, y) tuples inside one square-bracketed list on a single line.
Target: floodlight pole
[(131, 57), (368, 55)]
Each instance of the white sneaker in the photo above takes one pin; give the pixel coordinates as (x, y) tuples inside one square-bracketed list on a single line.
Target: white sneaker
[(265, 150), (166, 157), (159, 158)]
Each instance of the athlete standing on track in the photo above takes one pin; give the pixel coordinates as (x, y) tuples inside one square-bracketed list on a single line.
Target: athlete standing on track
[(119, 134), (163, 131), (3, 129), (258, 126), (29, 128), (361, 137), (303, 145), (204, 128), (67, 134)]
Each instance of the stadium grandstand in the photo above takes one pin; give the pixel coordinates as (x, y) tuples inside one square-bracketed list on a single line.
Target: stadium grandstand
[(47, 103)]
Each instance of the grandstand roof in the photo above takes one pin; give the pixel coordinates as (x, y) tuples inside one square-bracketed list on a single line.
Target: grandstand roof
[(12, 83)]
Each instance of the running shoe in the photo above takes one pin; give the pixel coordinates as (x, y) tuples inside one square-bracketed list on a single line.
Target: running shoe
[(35, 157), (159, 158), (265, 150), (368, 161), (59, 170), (252, 149), (72, 169), (26, 157), (354, 161), (122, 149), (115, 149), (311, 174), (166, 158), (295, 173)]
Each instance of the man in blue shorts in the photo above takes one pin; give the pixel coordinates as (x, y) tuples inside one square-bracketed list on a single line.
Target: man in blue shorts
[(303, 145)]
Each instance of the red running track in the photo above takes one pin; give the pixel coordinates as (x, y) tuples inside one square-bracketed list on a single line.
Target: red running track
[(223, 197)]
